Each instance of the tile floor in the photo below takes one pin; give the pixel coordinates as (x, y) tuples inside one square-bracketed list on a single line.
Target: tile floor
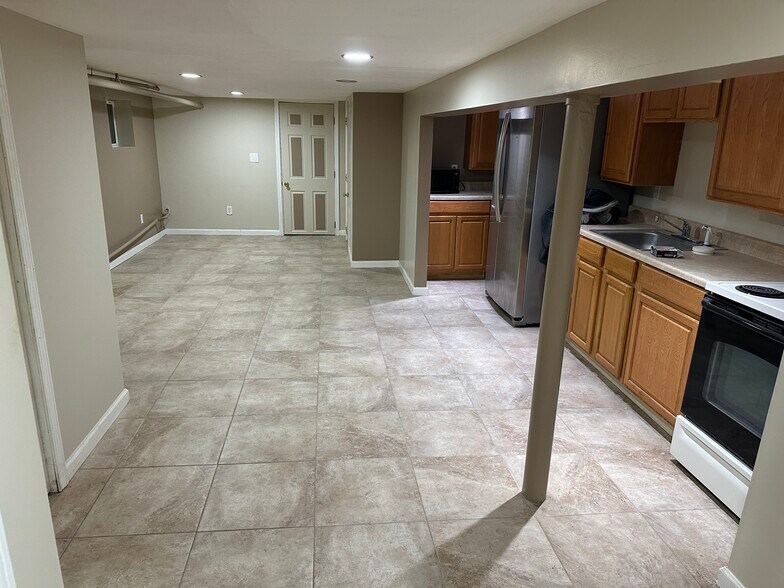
[(293, 422)]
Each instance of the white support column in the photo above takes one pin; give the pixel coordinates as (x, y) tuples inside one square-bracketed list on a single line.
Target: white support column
[(572, 176)]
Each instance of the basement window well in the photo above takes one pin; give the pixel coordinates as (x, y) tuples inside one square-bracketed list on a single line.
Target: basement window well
[(120, 122)]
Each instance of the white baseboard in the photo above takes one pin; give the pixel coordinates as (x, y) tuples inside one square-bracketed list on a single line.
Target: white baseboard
[(134, 250), (235, 232), (726, 579), (371, 264), (75, 461), (414, 290)]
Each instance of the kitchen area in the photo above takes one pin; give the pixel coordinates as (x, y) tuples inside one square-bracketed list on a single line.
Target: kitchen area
[(677, 301)]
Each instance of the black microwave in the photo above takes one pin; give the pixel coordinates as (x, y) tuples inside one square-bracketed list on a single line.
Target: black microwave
[(444, 180)]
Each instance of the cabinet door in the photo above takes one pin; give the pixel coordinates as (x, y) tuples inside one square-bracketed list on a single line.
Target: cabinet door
[(585, 296), (620, 141), (481, 132), (748, 161), (661, 105), (441, 243), (471, 242), (612, 323), (699, 102), (661, 342)]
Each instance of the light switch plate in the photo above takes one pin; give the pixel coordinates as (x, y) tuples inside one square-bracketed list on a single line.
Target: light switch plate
[(253, 157), (229, 210)]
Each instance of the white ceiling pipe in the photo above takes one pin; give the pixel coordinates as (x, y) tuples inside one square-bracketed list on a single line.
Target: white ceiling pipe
[(102, 82)]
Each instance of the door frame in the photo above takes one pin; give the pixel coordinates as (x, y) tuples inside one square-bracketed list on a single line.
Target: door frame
[(279, 158), (29, 301)]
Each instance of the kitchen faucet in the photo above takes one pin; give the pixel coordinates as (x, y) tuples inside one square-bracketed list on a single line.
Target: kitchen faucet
[(685, 229)]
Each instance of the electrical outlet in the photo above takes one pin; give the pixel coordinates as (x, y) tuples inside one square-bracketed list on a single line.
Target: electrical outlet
[(229, 210), (455, 166), (141, 218)]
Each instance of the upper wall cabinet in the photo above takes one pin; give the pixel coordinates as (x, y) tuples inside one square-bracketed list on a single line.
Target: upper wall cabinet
[(748, 160), (691, 104), (636, 153), (481, 132)]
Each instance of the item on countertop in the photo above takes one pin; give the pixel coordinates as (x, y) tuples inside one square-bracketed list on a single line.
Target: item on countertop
[(662, 251), (599, 208), (703, 250)]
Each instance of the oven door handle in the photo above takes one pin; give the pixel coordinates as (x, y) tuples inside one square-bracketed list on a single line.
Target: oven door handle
[(709, 304)]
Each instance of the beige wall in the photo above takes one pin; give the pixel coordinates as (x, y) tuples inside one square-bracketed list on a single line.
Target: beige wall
[(53, 132), (449, 135), (601, 47), (203, 162), (686, 199), (377, 125), (756, 559), (24, 510), (130, 184)]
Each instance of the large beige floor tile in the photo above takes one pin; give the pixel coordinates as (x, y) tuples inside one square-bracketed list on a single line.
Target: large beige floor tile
[(417, 362), (362, 491), (353, 362), (269, 396), (155, 561), (150, 366), (274, 339), (70, 506), (419, 338), (620, 429), (273, 558), (614, 550), (284, 364), (430, 393), (270, 438), (483, 362), (260, 496), (213, 365), (177, 441), (149, 500), (368, 434), (141, 397), (498, 392), (509, 431), (228, 339), (399, 554), (115, 441), (357, 339), (355, 394), (497, 552), (446, 433), (197, 399), (468, 488)]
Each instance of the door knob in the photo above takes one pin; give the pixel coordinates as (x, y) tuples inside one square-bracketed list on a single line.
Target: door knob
[(287, 185), (345, 194)]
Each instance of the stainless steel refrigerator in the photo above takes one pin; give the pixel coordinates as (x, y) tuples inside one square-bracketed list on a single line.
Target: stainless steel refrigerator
[(524, 182)]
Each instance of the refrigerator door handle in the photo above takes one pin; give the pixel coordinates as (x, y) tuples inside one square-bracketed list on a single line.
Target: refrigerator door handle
[(499, 156)]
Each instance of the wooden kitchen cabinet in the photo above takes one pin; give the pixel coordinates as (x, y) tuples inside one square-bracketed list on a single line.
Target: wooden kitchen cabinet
[(689, 104), (748, 159), (699, 103), (637, 153), (665, 316), (458, 231), (616, 294), (481, 134), (585, 296), (471, 243), (441, 244)]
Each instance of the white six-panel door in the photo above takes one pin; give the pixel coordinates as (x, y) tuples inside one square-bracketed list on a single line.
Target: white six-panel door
[(307, 168)]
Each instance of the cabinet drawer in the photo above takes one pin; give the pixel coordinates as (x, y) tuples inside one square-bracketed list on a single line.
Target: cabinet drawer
[(590, 251), (459, 207), (620, 266), (671, 290)]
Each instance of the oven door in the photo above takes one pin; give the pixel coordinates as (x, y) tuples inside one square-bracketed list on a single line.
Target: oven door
[(733, 370)]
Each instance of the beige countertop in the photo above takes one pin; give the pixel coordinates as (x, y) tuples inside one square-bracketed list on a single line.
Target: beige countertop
[(697, 269), (463, 196)]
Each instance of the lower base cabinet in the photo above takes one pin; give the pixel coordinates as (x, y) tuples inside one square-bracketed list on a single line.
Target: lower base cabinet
[(457, 245), (640, 326)]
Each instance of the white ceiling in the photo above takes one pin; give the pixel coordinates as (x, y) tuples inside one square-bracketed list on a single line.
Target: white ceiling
[(291, 48)]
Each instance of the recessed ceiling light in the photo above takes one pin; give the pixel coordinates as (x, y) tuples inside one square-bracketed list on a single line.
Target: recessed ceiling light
[(347, 81), (236, 93), (190, 76), (357, 57)]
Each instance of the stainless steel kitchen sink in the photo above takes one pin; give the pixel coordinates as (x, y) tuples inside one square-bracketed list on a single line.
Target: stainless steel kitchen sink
[(644, 239)]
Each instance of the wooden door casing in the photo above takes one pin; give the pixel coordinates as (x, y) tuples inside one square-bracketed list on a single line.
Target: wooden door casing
[(748, 162), (585, 295), (661, 341), (471, 242)]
